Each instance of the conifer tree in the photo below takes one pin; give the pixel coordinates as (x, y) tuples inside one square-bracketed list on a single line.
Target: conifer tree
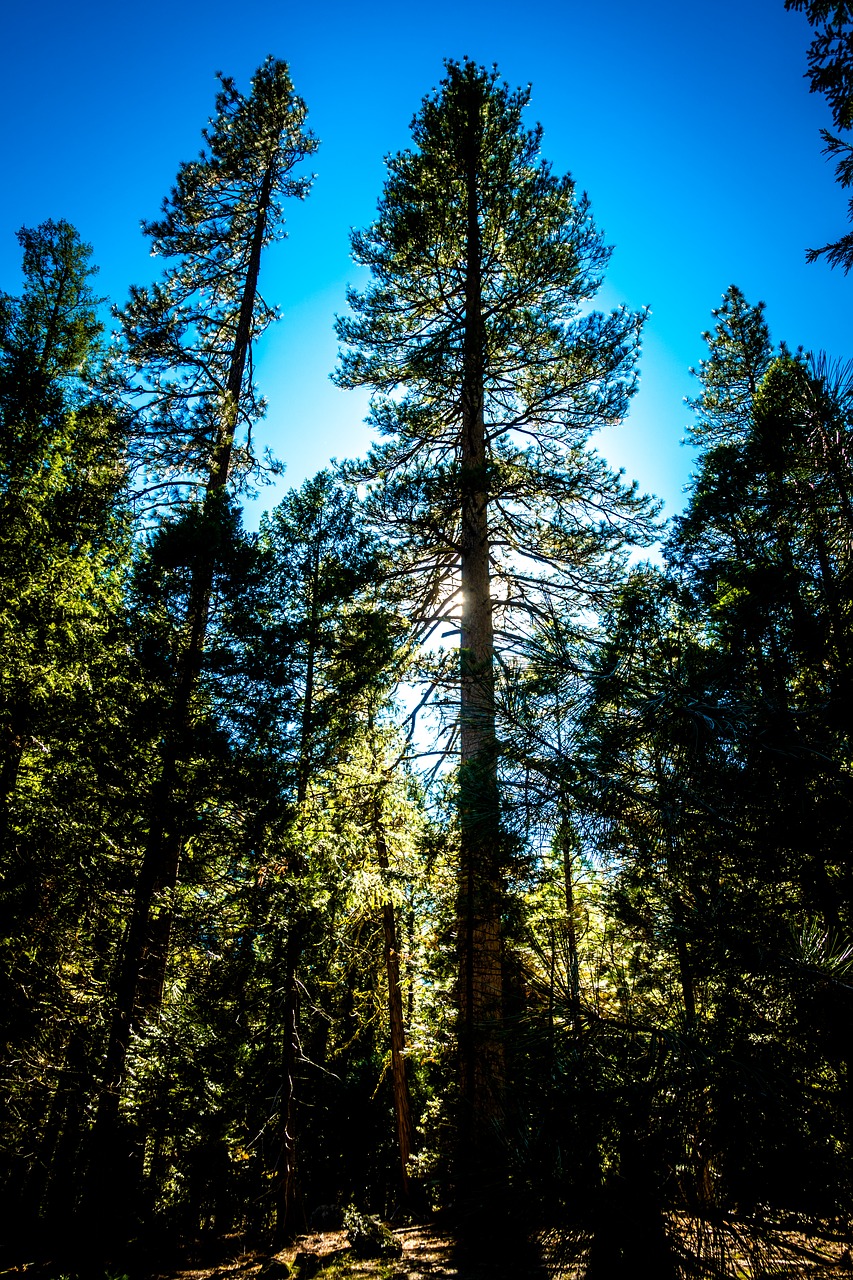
[(325, 640), (739, 351), (488, 381), (61, 471), (830, 62), (188, 344), (65, 706)]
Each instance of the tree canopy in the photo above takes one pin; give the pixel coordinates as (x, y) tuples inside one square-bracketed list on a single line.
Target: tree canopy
[(310, 917)]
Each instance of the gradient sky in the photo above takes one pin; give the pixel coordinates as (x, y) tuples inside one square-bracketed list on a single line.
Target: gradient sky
[(690, 125)]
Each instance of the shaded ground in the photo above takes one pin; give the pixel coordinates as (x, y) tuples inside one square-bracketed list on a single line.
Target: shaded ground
[(428, 1254)]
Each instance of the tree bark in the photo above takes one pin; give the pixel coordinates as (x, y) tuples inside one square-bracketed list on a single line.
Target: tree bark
[(287, 1162), (142, 969), (571, 929), (402, 1103), (481, 1051), (11, 753), (288, 1149), (397, 1030)]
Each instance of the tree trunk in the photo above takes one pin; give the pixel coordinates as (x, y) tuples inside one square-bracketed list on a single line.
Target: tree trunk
[(402, 1104), (481, 1051), (288, 1148), (142, 970), (685, 970), (571, 927), (11, 752), (391, 950), (287, 1167)]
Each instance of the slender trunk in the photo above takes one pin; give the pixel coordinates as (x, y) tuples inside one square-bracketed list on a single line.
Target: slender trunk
[(288, 1147), (685, 971), (565, 844), (670, 807), (167, 837), (571, 930), (410, 944), (287, 1165), (481, 1051), (552, 992), (833, 599), (52, 1190), (307, 725), (402, 1101), (42, 1162), (144, 959), (11, 751)]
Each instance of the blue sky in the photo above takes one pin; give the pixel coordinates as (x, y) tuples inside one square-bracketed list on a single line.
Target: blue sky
[(690, 126)]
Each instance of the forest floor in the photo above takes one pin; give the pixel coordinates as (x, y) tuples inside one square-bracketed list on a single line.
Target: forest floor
[(427, 1253)]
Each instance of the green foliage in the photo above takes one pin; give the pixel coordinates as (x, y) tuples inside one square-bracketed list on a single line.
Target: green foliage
[(68, 706), (552, 371), (673, 877), (187, 337), (710, 784), (830, 72), (62, 535), (368, 1237), (740, 351), (188, 347)]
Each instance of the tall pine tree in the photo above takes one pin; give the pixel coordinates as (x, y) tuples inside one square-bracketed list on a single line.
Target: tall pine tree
[(488, 379), (188, 342)]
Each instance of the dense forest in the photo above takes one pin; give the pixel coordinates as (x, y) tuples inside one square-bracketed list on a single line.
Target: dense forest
[(430, 855)]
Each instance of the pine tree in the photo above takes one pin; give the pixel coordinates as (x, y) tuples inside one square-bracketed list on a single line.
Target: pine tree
[(739, 351), (324, 642), (830, 72), (488, 381), (63, 526), (61, 473), (66, 705), (189, 339)]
